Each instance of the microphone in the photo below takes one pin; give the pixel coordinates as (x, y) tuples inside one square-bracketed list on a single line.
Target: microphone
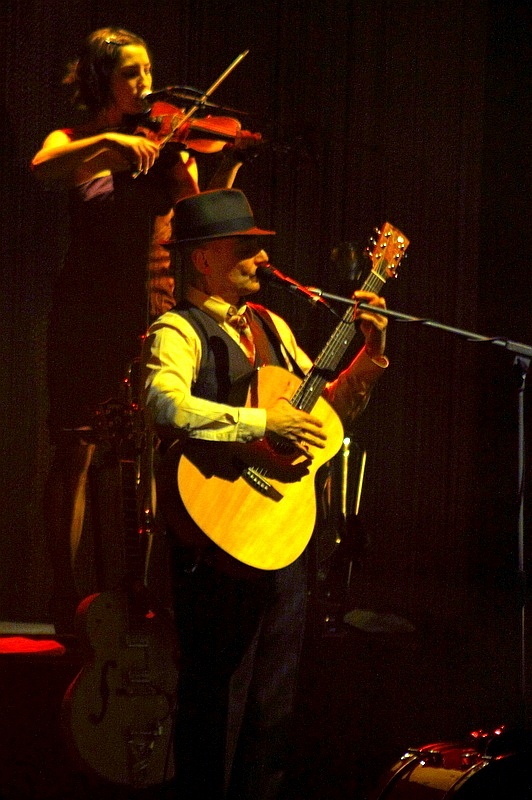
[(272, 275), (172, 93)]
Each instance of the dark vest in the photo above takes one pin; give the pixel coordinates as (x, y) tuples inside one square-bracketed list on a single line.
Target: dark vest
[(224, 366)]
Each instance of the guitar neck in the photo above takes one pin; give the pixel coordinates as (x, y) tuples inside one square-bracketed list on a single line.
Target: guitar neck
[(121, 424), (328, 360), (133, 524)]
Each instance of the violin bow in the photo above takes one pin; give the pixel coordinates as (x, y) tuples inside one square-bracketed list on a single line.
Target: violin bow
[(192, 110)]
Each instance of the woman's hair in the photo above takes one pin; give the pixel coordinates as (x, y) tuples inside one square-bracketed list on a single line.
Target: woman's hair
[(91, 72)]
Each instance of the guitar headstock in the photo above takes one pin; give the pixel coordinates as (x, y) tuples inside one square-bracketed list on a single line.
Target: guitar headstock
[(388, 251)]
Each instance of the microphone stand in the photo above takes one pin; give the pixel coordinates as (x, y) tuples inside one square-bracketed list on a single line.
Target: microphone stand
[(521, 363)]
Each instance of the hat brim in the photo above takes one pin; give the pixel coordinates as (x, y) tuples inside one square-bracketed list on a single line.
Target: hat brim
[(248, 232)]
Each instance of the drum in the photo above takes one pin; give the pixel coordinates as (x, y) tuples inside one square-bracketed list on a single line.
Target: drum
[(449, 770)]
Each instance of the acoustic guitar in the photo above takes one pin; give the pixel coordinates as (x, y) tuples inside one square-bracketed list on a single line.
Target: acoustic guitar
[(117, 714), (257, 501)]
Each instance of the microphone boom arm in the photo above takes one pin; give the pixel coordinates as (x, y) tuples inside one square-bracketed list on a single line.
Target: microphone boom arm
[(513, 347)]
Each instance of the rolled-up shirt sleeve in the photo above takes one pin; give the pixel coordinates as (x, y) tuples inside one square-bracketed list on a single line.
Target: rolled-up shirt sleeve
[(350, 392), (172, 357)]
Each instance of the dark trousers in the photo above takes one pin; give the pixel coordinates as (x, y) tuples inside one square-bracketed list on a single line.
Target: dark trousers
[(240, 642)]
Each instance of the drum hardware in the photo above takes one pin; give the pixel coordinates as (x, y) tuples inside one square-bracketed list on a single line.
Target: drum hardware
[(491, 765)]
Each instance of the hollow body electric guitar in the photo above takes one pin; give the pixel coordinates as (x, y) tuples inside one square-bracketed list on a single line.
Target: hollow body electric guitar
[(117, 714), (257, 501)]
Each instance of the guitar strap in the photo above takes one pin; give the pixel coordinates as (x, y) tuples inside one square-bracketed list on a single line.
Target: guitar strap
[(271, 331)]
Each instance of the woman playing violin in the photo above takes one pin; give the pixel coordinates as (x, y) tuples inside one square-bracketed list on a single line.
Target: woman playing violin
[(116, 272)]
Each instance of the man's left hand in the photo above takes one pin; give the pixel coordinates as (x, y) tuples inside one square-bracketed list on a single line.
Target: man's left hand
[(372, 324)]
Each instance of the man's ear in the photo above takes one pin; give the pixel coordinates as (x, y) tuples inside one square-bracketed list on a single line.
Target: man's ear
[(200, 260)]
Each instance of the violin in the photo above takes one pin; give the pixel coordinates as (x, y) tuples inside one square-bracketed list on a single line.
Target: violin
[(165, 122)]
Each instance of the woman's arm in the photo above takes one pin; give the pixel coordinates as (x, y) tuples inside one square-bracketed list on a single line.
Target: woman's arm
[(75, 160)]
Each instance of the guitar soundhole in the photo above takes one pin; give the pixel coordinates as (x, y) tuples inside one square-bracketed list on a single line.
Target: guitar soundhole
[(282, 446)]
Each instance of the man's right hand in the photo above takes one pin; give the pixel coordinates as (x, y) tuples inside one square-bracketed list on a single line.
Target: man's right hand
[(295, 425)]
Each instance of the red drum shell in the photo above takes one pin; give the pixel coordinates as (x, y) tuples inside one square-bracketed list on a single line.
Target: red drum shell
[(448, 770)]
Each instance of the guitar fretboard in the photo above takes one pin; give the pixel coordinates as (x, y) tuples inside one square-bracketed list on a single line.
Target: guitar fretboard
[(327, 361)]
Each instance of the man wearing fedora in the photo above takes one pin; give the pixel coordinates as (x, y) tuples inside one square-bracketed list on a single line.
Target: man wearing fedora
[(240, 626)]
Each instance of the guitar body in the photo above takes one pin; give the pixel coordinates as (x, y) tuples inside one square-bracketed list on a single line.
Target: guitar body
[(263, 518), (117, 714)]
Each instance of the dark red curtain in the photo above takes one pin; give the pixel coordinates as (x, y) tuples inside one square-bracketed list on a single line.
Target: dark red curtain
[(410, 112)]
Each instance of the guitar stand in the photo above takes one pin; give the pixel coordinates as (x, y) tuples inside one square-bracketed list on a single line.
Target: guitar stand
[(339, 543), (334, 576), (340, 546)]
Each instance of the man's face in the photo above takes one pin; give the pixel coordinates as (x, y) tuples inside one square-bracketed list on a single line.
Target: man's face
[(228, 266)]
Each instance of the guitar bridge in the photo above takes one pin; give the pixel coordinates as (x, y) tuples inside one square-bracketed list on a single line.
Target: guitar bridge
[(260, 484)]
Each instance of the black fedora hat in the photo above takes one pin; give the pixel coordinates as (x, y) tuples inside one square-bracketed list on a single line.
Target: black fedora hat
[(215, 214)]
